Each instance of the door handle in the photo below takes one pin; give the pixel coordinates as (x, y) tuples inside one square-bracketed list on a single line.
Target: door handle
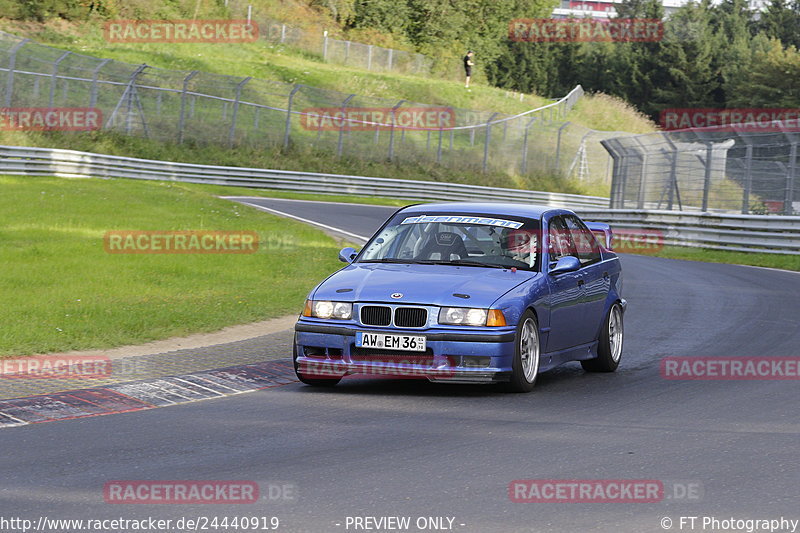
[(605, 275), (581, 282)]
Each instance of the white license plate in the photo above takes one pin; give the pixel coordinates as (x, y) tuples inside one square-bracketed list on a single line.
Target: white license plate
[(383, 341)]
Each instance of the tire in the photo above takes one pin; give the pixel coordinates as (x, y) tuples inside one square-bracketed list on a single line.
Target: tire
[(316, 382), (527, 352), (609, 348)]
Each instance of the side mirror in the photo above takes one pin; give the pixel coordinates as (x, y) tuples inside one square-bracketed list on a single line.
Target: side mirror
[(568, 263), (346, 255)]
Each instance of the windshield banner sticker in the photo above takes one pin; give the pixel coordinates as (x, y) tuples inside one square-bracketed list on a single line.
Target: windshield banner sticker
[(453, 219)]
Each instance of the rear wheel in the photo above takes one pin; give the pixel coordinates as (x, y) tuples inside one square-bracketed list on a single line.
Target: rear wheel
[(317, 382), (525, 367), (609, 348)]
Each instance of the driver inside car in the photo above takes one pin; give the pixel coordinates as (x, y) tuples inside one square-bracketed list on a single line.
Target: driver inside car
[(520, 245)]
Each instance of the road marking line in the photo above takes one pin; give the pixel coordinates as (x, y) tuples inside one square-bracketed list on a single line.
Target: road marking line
[(395, 207), (198, 386), (307, 221)]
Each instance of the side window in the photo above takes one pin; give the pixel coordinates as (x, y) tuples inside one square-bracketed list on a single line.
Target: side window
[(561, 244), (585, 241)]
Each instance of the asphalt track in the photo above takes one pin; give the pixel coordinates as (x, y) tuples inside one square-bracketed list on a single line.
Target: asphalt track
[(407, 448)]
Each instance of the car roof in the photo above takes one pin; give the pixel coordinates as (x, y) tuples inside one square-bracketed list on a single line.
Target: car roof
[(488, 208)]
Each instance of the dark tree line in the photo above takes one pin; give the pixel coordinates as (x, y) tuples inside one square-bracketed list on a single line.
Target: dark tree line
[(719, 55)]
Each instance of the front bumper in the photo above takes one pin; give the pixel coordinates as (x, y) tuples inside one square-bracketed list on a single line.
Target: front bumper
[(479, 355)]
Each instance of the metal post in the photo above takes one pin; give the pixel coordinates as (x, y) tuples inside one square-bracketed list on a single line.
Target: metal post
[(340, 143), (487, 139), (391, 129), (614, 175), (707, 181), (128, 94), (325, 45), (525, 145), (239, 87), (391, 53), (642, 179), (558, 146), (788, 199), (439, 148), (182, 117), (346, 51), (283, 33), (54, 78), (289, 116), (748, 179), (95, 75), (369, 57), (614, 180), (249, 13), (11, 63), (673, 178)]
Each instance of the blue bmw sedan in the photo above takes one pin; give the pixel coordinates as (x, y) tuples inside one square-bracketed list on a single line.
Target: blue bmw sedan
[(467, 293)]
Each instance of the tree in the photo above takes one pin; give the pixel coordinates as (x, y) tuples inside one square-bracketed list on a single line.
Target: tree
[(781, 21), (771, 81)]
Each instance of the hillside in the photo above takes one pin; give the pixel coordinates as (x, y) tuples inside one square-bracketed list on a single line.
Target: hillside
[(265, 60)]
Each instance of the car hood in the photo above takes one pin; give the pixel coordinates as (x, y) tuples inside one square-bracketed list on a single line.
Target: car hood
[(420, 284)]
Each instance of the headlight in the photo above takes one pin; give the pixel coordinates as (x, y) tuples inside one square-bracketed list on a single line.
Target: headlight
[(326, 309), (462, 316)]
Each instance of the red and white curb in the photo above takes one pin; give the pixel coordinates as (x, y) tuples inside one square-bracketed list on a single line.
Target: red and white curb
[(146, 394)]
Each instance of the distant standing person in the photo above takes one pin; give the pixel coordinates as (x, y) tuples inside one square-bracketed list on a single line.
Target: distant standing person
[(468, 64)]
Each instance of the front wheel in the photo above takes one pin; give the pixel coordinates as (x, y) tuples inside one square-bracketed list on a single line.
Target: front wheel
[(318, 382), (525, 367), (609, 348)]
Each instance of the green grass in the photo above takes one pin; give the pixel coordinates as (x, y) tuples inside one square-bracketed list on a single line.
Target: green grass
[(263, 60), (269, 61), (297, 158), (60, 290)]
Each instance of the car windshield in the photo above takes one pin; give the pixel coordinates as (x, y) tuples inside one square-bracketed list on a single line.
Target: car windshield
[(480, 240)]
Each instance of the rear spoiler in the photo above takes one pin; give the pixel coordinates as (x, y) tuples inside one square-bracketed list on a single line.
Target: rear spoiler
[(603, 233)]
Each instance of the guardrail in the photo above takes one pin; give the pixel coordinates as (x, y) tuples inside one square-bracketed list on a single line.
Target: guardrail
[(74, 164), (735, 232)]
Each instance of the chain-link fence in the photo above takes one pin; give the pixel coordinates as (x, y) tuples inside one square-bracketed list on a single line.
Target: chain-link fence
[(317, 41), (180, 106), (750, 168)]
